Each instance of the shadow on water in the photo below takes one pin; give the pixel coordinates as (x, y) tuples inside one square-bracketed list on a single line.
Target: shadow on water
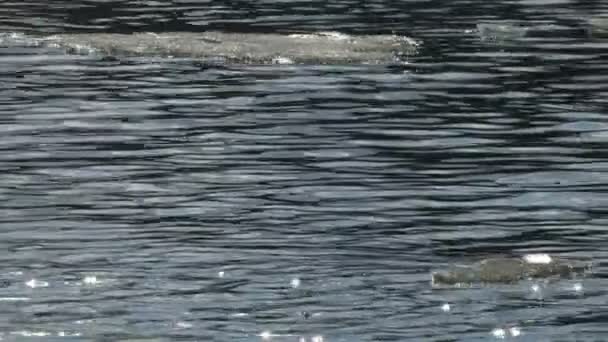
[(156, 199)]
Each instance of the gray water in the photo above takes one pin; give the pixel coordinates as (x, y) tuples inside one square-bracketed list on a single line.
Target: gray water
[(156, 199)]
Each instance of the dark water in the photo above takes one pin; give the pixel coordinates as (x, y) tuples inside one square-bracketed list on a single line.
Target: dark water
[(164, 200)]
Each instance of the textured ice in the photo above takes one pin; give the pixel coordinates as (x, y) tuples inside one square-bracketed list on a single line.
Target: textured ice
[(511, 270), (249, 48)]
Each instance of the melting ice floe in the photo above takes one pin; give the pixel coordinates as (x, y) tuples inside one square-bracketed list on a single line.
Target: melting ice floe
[(249, 48), (511, 270)]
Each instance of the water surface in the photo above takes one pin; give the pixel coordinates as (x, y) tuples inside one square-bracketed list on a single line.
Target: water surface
[(163, 199)]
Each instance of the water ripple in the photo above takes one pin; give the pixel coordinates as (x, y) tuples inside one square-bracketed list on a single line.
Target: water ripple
[(151, 199)]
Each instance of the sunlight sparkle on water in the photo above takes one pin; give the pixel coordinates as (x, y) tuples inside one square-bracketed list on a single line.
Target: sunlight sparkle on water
[(267, 335), (317, 338), (282, 60), (183, 325), (540, 258), (499, 333), (33, 283), (535, 288), (515, 331), (26, 333), (14, 299), (90, 280)]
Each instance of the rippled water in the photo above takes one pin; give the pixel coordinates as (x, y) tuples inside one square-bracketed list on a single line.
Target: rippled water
[(155, 199)]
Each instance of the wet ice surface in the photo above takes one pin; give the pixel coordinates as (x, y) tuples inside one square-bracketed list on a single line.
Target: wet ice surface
[(315, 48), (155, 200)]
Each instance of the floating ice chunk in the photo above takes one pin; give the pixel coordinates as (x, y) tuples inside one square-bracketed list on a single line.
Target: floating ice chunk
[(19, 39), (540, 258), (327, 34), (510, 270), (500, 31), (248, 48), (334, 35), (300, 35), (410, 41), (598, 26)]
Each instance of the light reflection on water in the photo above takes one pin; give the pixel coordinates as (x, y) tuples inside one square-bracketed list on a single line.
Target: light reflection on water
[(157, 200)]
